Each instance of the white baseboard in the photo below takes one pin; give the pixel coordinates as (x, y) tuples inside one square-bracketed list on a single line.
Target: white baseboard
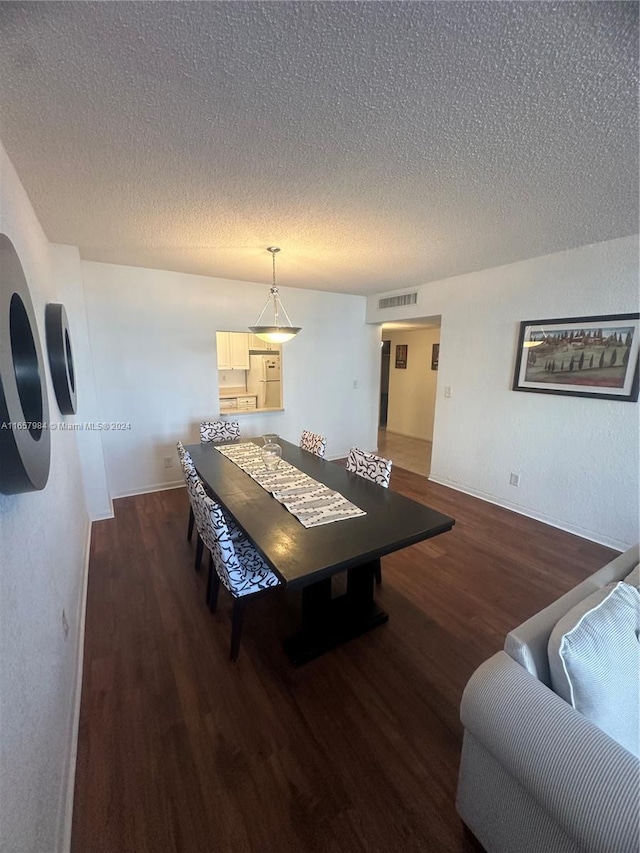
[(103, 517), (552, 522), (334, 456), (154, 487), (81, 615)]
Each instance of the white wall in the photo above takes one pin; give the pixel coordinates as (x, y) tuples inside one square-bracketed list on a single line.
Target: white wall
[(153, 341), (577, 457), (66, 266), (43, 542), (412, 390)]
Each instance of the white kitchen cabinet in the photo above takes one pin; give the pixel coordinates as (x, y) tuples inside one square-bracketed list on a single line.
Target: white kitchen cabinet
[(248, 402), (223, 350), (241, 403), (233, 350), (239, 346)]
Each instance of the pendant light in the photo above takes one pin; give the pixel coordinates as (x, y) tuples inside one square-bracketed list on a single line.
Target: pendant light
[(275, 334), (535, 342)]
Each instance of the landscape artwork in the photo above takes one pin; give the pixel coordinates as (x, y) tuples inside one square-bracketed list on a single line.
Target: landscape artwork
[(580, 357)]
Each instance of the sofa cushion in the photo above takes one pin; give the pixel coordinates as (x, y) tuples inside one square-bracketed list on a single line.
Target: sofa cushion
[(594, 659)]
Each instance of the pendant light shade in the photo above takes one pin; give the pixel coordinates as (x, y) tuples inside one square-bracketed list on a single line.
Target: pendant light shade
[(275, 333), (534, 340)]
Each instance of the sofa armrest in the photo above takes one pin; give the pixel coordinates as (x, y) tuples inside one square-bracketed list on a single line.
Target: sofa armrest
[(587, 782)]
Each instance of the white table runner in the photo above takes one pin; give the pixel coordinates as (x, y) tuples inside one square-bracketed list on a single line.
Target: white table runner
[(311, 502)]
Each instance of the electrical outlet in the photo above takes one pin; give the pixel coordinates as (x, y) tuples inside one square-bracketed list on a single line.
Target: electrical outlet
[(356, 384), (514, 479), (447, 391), (65, 625), (168, 462)]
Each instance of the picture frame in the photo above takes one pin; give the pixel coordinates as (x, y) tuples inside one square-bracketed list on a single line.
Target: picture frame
[(593, 356), (401, 356), (435, 356)]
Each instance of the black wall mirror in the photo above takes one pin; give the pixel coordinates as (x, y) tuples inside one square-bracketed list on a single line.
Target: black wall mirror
[(25, 439), (61, 357)]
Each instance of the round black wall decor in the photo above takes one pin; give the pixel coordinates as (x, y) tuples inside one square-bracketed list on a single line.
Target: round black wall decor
[(60, 357), (25, 439)]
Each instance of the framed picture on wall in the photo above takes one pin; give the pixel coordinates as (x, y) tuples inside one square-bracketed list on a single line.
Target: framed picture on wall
[(580, 356), (435, 356), (401, 355)]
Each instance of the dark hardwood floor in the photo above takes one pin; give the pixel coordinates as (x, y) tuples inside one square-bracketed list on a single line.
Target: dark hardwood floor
[(181, 751)]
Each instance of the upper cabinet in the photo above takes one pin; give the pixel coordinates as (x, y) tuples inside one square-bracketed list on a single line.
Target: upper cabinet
[(233, 350)]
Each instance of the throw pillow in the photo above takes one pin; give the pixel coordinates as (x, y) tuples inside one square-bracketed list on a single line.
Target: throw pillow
[(594, 659)]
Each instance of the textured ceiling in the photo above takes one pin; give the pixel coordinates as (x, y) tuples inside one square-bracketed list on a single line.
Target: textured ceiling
[(381, 145)]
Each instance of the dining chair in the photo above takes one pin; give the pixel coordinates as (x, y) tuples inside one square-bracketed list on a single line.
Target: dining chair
[(313, 442), (370, 466), (235, 562), (192, 482), (214, 431), (374, 468), (186, 474), (219, 431)]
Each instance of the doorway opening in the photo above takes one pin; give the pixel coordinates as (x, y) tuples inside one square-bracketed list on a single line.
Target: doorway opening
[(409, 363), (384, 384)]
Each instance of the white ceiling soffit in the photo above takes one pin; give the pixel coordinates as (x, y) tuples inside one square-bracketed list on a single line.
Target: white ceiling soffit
[(381, 145), (414, 325)]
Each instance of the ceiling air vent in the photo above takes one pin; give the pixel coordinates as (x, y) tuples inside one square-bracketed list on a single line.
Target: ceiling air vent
[(397, 301)]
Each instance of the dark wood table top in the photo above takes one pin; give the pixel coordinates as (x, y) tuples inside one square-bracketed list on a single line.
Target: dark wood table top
[(300, 555)]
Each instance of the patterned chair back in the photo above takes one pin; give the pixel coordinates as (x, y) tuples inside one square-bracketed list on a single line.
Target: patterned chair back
[(191, 478), (370, 466), (313, 443), (219, 431), (214, 532)]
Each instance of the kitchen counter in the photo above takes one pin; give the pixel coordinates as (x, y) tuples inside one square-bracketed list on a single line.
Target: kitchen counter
[(232, 392), (240, 413)]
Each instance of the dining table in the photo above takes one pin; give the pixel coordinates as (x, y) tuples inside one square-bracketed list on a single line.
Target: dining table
[(307, 558)]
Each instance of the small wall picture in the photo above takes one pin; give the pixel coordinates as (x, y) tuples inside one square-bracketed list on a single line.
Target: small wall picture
[(435, 356), (401, 355), (580, 356)]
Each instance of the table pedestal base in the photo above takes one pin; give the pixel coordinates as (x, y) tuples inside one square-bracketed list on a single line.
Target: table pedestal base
[(328, 622)]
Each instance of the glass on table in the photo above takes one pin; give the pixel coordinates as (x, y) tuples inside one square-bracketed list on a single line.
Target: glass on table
[(271, 451)]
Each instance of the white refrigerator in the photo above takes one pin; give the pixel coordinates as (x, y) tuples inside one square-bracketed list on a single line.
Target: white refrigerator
[(263, 379)]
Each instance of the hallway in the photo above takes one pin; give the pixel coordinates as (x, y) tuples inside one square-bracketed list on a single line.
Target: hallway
[(412, 454)]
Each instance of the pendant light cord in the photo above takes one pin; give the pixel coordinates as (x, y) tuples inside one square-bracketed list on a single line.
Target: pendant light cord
[(274, 290), (275, 299)]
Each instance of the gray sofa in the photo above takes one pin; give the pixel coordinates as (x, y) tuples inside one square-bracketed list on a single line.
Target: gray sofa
[(536, 776)]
